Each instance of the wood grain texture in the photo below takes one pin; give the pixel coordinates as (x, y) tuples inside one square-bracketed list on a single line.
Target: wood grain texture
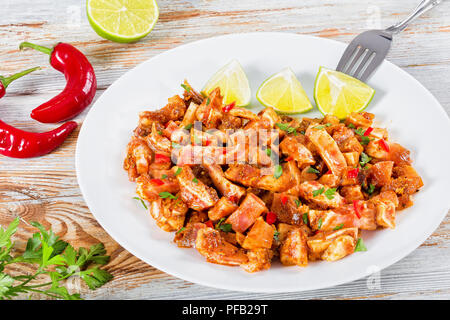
[(45, 189)]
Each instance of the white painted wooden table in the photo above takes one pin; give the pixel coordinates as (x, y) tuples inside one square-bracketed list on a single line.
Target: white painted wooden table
[(45, 189)]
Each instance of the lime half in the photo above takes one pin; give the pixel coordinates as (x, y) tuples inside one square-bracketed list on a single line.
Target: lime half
[(339, 94), (284, 93), (122, 20), (233, 84)]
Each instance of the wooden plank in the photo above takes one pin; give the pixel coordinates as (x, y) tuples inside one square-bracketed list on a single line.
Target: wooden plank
[(45, 189)]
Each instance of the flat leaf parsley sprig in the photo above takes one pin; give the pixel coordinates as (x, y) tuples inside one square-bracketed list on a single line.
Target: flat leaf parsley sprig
[(55, 258)]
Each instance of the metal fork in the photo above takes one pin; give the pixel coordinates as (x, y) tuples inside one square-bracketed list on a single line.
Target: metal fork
[(368, 50)]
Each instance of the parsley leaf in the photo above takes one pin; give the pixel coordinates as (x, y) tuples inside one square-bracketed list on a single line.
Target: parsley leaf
[(364, 159), (338, 227), (360, 131), (318, 192), (297, 202), (320, 224), (189, 126), (165, 195), (181, 230), (278, 171), (285, 127), (312, 170), (275, 236), (142, 201), (269, 152), (56, 259), (164, 176), (351, 126), (305, 218), (330, 193), (360, 246), (185, 87), (178, 171), (208, 101), (365, 140), (195, 180)]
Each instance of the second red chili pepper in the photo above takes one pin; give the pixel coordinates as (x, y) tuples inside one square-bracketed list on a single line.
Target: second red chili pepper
[(80, 87), (17, 143)]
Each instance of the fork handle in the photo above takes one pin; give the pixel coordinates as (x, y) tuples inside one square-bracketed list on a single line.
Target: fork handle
[(423, 7)]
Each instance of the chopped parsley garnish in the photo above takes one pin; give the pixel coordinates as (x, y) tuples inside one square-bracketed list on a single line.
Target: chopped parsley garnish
[(225, 227), (182, 229), (312, 170), (330, 193), (305, 218), (322, 126), (371, 188), (178, 171), (208, 100), (142, 201), (360, 246), (364, 159), (302, 132), (189, 126), (164, 176), (320, 224), (269, 152), (197, 140), (351, 126), (165, 195), (278, 171), (160, 132), (338, 227), (195, 180), (286, 127), (297, 202), (360, 131), (185, 87), (318, 191), (176, 145), (275, 236), (365, 140)]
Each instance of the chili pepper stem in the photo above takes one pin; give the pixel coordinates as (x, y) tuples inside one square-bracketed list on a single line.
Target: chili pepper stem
[(6, 81), (35, 47)]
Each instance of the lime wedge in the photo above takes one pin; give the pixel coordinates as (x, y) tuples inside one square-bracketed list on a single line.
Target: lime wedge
[(339, 94), (233, 84), (284, 93), (122, 20)]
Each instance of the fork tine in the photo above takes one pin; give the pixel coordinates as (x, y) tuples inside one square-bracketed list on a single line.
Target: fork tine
[(355, 61), (373, 65), (348, 53), (366, 59)]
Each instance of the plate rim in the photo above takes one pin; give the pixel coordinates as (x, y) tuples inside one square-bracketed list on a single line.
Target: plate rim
[(262, 289)]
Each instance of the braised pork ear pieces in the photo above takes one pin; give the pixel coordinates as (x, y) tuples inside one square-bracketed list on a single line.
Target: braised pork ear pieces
[(302, 193)]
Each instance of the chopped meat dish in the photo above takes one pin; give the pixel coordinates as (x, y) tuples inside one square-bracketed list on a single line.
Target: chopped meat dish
[(244, 189)]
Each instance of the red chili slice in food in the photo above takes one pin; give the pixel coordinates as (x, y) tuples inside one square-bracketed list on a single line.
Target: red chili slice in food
[(284, 199), (328, 172), (368, 131), (289, 158), (209, 223), (351, 174), (228, 107), (271, 217), (357, 208), (384, 145), (160, 158), (157, 182), (207, 142)]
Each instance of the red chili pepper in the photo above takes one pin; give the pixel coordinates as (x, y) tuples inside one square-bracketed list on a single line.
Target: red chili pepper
[(228, 107), (384, 145), (284, 200), (368, 131), (209, 223), (207, 142), (157, 182), (329, 172), (6, 81), (17, 143), (351, 174), (80, 87), (289, 158), (357, 208), (224, 151), (271, 217), (160, 158)]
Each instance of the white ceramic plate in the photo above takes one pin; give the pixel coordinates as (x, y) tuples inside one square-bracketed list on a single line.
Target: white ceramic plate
[(412, 115)]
